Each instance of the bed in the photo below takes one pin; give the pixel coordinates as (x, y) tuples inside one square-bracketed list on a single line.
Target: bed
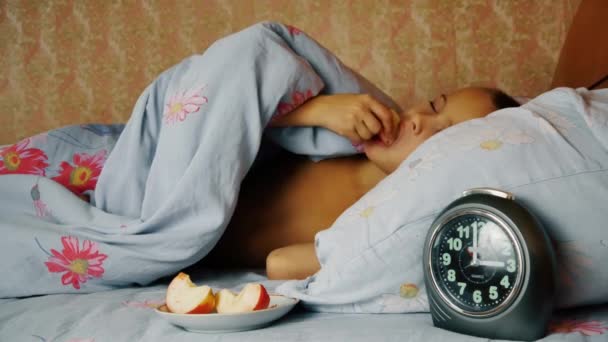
[(128, 314)]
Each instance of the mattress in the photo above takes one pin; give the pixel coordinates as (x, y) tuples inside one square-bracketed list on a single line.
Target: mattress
[(128, 315)]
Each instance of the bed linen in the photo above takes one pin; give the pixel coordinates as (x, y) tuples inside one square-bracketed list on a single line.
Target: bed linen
[(551, 153), (161, 189), (127, 315)]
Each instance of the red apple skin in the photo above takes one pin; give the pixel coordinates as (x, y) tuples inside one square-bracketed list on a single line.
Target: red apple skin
[(204, 307), (252, 297), (264, 300)]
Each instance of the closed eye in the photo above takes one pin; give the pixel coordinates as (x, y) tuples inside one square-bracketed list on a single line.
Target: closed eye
[(432, 104), (438, 103)]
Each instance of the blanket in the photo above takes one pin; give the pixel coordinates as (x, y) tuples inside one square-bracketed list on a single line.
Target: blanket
[(94, 207)]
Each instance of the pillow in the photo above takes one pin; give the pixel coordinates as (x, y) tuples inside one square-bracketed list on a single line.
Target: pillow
[(551, 153)]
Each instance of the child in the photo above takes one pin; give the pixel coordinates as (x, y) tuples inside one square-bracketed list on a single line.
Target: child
[(282, 208)]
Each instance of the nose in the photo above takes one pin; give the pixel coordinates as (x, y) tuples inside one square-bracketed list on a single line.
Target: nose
[(413, 123)]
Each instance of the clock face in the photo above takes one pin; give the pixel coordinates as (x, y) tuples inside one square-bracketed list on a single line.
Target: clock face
[(476, 264)]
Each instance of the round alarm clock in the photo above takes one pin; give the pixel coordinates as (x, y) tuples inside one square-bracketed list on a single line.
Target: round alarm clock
[(489, 268)]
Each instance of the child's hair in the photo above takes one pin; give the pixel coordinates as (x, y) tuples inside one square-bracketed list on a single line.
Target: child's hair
[(501, 99)]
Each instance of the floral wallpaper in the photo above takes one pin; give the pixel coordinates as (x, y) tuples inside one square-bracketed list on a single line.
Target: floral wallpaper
[(82, 61)]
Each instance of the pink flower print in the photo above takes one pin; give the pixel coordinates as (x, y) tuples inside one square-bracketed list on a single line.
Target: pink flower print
[(39, 206), (146, 304), (297, 99), (18, 159), (181, 105), (79, 264), (81, 176), (359, 147), (283, 108), (294, 31), (587, 328)]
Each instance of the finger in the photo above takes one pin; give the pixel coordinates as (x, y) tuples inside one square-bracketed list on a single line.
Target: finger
[(385, 115), (372, 123), (362, 131), (354, 139), (396, 122), (396, 118), (384, 138), (352, 135)]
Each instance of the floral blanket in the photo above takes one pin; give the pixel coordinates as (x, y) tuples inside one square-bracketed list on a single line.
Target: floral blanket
[(95, 207)]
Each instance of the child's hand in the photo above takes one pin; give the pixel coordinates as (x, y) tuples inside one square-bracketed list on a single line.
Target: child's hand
[(358, 117)]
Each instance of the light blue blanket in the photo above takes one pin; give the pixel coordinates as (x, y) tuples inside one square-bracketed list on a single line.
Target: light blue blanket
[(128, 315), (90, 208)]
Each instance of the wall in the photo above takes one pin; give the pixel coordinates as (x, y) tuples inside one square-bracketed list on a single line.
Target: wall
[(67, 62)]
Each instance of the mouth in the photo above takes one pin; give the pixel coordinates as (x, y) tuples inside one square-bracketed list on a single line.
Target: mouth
[(375, 141), (378, 141), (400, 130)]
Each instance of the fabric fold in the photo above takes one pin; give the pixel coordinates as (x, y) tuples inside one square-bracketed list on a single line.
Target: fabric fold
[(169, 185)]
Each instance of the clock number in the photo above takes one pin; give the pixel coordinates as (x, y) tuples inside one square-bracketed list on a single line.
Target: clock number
[(464, 231), (511, 265), (493, 294), (506, 250), (451, 275), (462, 287), (446, 259), (505, 282), (455, 244), (477, 296)]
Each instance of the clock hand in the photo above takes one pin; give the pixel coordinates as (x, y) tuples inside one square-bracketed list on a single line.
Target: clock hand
[(474, 261), (491, 263)]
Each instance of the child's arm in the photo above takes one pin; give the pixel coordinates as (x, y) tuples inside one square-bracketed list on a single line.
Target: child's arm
[(292, 262), (358, 117)]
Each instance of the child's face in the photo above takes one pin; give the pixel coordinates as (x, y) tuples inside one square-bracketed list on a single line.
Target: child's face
[(425, 119)]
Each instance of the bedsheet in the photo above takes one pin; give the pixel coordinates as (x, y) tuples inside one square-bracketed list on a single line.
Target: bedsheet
[(128, 315)]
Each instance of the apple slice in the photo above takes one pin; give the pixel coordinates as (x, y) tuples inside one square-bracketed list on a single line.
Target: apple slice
[(183, 297), (251, 298)]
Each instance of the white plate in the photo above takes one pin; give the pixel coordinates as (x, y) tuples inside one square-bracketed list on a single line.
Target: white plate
[(229, 322)]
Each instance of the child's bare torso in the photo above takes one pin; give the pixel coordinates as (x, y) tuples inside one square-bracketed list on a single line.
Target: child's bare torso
[(287, 202)]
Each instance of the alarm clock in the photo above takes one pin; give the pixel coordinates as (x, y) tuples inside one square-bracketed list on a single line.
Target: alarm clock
[(489, 268)]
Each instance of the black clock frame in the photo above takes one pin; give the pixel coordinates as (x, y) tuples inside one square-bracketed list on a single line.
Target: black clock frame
[(527, 314)]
